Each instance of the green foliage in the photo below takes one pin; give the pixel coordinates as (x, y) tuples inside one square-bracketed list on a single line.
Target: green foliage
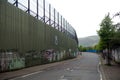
[(106, 32), (115, 41), (96, 47), (81, 48)]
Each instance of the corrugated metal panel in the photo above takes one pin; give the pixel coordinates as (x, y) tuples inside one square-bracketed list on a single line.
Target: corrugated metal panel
[(21, 31)]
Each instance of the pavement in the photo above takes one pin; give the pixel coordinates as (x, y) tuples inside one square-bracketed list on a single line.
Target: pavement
[(108, 72), (27, 71)]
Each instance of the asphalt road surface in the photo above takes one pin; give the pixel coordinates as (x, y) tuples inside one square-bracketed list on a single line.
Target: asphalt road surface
[(84, 67)]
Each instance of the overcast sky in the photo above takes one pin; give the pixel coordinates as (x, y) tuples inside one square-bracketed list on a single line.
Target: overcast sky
[(86, 15)]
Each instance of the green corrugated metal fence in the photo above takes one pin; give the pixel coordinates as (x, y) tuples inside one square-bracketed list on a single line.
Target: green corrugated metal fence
[(21, 31)]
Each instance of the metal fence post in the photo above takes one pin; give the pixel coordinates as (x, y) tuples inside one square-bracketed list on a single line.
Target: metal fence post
[(44, 10), (49, 14), (37, 9), (54, 17), (65, 26), (16, 3), (28, 7), (61, 23), (58, 20)]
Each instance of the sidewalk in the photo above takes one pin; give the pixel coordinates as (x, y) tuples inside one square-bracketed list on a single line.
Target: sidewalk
[(110, 72), (25, 71)]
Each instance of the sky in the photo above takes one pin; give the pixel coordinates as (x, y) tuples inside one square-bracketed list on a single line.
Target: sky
[(85, 16)]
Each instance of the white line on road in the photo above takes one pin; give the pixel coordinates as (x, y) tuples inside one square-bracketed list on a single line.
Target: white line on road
[(62, 78), (31, 74), (98, 67), (68, 69), (26, 75)]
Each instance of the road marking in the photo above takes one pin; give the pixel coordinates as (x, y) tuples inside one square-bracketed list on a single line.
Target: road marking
[(26, 75), (68, 69), (98, 68), (31, 74), (62, 78)]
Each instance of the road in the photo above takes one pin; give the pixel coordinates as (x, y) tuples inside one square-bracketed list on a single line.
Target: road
[(84, 67)]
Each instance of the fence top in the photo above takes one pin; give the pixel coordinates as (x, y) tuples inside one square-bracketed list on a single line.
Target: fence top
[(43, 11)]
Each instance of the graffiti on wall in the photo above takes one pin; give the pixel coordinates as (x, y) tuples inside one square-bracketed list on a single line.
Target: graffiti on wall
[(10, 60)]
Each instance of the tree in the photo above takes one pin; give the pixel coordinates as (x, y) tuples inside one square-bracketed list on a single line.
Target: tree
[(81, 48), (115, 41), (106, 32)]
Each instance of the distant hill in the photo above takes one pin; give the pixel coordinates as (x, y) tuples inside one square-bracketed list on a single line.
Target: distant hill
[(88, 41)]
